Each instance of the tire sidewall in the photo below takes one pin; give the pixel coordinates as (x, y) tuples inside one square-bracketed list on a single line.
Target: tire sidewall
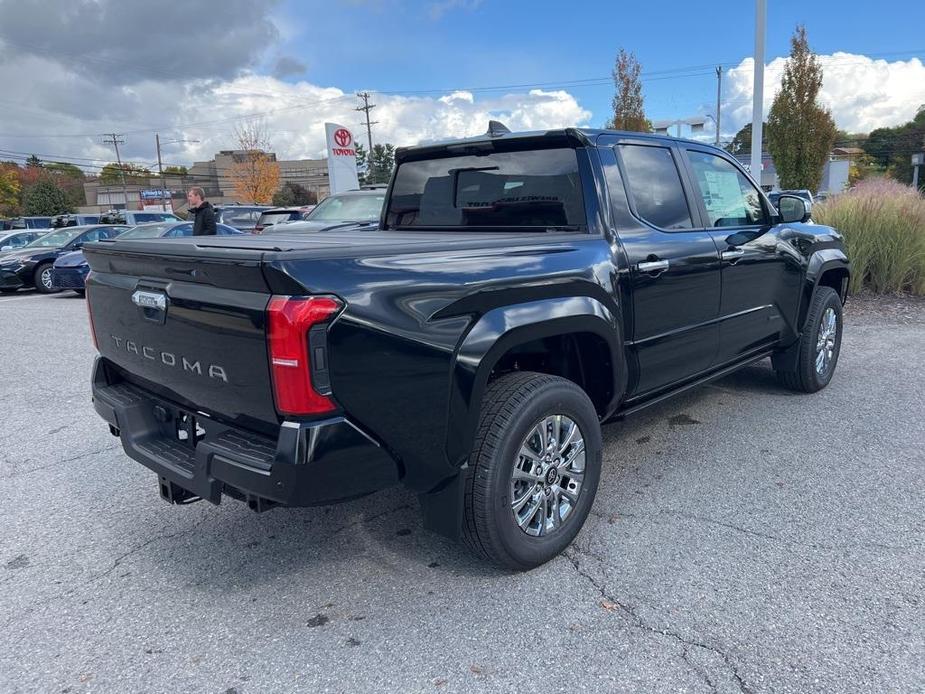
[(37, 279), (824, 300), (557, 398)]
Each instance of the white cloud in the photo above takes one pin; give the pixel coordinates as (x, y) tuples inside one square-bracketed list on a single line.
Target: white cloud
[(862, 93), (294, 113)]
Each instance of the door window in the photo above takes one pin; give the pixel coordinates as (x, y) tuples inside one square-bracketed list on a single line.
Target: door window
[(655, 185), (729, 197)]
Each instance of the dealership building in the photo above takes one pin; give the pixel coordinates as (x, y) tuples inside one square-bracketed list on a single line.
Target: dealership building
[(213, 176)]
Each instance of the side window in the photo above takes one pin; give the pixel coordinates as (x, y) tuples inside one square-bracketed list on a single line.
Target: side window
[(93, 235), (655, 185), (730, 198), (182, 230)]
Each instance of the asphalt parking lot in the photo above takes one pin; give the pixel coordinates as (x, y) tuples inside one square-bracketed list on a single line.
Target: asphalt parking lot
[(743, 539)]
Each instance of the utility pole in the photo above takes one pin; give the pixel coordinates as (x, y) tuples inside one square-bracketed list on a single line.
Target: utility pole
[(160, 171), (719, 94), (115, 141), (367, 107), (761, 12)]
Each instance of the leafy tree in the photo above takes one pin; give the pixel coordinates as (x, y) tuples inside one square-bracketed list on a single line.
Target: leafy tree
[(33, 162), (69, 178), (381, 164), (62, 168), (628, 110), (294, 195), (254, 173), (362, 164), (800, 131), (892, 148), (45, 198), (111, 173), (9, 189), (176, 170), (742, 142)]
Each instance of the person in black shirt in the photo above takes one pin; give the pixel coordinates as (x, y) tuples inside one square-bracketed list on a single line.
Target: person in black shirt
[(202, 211)]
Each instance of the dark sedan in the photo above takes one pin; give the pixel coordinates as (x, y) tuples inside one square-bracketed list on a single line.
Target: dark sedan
[(70, 270), (31, 266)]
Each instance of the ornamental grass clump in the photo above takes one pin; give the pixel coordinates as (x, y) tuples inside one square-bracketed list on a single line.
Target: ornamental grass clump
[(884, 227)]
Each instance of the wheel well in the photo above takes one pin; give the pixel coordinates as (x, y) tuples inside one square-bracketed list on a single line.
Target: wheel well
[(837, 279), (583, 358)]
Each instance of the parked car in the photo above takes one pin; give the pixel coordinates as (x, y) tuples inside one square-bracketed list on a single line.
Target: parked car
[(6, 224), (243, 217), (30, 223), (31, 265), (133, 218), (12, 240), (70, 270), (275, 215), (74, 220), (523, 289), (355, 208)]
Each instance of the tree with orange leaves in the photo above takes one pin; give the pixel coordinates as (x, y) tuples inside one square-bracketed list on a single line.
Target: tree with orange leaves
[(254, 173)]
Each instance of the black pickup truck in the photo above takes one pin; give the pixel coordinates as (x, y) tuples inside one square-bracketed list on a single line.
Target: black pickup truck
[(522, 289)]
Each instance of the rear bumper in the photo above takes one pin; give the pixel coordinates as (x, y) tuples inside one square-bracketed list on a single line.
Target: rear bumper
[(308, 464)]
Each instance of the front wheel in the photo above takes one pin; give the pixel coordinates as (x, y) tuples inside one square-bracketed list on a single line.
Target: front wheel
[(534, 470), (819, 346), (43, 279)]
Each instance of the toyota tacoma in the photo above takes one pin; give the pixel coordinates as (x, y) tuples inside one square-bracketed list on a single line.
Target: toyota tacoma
[(522, 290)]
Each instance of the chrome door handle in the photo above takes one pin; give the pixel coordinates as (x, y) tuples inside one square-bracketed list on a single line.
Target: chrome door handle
[(652, 266), (732, 255)]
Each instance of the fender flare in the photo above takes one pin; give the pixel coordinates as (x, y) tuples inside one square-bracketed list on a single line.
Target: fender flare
[(503, 328), (819, 263)]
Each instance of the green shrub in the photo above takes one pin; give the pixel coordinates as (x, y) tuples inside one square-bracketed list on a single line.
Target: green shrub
[(884, 227)]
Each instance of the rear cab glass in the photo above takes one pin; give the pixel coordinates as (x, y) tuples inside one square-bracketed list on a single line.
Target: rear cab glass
[(530, 190)]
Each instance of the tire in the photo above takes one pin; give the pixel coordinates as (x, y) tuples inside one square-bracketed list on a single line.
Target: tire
[(808, 376), (80, 292), (38, 279), (513, 410)]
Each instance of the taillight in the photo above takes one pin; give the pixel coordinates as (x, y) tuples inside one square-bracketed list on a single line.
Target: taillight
[(90, 310), (292, 345)]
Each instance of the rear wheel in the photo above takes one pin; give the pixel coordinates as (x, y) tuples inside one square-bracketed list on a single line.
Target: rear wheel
[(819, 345), (534, 470), (43, 279)]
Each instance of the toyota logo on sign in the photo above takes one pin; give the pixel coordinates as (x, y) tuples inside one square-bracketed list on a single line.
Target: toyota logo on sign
[(343, 137)]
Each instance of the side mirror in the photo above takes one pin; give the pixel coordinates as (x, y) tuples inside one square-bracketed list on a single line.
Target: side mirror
[(792, 208), (77, 246)]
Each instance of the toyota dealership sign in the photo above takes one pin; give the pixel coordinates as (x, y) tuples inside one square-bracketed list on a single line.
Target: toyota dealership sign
[(342, 158)]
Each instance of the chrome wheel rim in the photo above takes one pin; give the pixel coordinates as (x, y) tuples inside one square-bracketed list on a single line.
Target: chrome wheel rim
[(548, 476), (46, 278), (825, 342)]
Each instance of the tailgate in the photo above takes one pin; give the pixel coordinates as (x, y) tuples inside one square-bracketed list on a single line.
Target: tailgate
[(186, 322)]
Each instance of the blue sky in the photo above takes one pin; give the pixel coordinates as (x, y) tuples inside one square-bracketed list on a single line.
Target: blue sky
[(427, 45), (206, 66)]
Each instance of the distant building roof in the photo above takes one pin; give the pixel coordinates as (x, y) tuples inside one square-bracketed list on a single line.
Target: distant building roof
[(847, 151)]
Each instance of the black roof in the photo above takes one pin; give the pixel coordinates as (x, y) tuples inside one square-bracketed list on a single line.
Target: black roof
[(579, 136)]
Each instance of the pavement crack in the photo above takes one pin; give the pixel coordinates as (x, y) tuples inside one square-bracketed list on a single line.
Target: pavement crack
[(18, 473), (610, 518), (573, 553), (368, 519)]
